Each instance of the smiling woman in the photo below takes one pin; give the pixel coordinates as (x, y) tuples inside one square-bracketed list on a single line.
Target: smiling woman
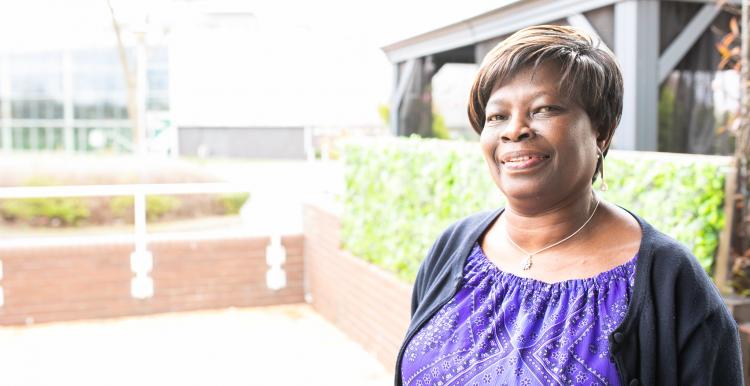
[(560, 287)]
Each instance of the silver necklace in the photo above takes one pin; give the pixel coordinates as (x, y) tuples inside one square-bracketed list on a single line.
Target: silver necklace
[(529, 255)]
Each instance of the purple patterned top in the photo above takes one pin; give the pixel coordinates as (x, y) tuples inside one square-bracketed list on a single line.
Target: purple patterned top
[(502, 329)]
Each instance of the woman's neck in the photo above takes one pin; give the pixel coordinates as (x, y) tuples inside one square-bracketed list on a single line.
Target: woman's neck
[(534, 227)]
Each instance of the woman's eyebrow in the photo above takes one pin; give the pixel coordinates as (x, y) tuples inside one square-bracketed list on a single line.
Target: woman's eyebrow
[(530, 97)]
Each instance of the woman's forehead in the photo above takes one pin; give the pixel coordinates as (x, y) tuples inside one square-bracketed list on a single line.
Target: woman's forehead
[(525, 88)]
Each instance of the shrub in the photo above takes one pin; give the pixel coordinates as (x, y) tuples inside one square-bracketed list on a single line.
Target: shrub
[(45, 211), (401, 193), (680, 196), (232, 202), (156, 206)]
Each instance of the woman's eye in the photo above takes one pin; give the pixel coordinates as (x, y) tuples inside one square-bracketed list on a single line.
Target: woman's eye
[(547, 109), (495, 118)]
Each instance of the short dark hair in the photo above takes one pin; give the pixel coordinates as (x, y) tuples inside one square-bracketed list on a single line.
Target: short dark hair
[(590, 74)]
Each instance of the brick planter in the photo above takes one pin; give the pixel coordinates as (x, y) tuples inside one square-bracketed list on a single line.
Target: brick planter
[(71, 282), (366, 302)]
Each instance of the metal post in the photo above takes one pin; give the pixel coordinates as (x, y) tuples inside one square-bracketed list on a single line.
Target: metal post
[(7, 134), (637, 48), (141, 90), (395, 100), (308, 140), (67, 88)]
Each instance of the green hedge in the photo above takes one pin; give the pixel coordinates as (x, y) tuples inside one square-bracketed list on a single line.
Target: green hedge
[(77, 211), (401, 193)]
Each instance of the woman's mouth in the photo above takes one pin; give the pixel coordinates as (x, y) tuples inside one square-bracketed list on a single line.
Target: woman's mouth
[(523, 161)]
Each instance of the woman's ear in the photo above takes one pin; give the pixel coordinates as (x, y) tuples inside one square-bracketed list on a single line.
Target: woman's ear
[(602, 144), (603, 140)]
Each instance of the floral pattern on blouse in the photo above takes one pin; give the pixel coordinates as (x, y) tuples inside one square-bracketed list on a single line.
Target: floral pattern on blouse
[(502, 329)]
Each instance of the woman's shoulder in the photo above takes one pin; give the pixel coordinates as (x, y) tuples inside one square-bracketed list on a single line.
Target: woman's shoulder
[(458, 237), (667, 253), (672, 268), (471, 224)]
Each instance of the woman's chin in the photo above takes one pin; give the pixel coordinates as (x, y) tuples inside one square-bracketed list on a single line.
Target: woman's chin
[(524, 190)]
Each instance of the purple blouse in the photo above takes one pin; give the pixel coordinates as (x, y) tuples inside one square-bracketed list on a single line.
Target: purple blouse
[(502, 329)]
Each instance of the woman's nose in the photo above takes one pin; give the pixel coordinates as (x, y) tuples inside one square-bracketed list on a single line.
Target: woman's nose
[(516, 130)]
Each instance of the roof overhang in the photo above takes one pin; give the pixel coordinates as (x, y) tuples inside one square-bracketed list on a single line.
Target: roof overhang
[(501, 21)]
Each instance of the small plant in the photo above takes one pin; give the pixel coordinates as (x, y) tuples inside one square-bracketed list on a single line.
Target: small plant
[(45, 211), (156, 206), (233, 202), (48, 211)]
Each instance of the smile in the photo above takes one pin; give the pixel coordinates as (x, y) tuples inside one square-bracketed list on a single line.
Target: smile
[(523, 161)]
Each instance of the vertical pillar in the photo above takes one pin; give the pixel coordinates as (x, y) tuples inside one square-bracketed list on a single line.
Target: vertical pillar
[(5, 106), (395, 100), (637, 49), (415, 113), (140, 145), (67, 89)]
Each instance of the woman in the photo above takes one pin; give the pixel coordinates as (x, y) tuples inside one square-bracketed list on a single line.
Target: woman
[(560, 287)]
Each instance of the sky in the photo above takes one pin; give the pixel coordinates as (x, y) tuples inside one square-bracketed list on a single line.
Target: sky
[(297, 62)]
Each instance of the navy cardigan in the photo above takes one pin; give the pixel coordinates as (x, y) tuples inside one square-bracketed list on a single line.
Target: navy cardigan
[(677, 330)]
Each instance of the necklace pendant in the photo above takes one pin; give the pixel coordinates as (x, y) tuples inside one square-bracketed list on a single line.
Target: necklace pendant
[(526, 263)]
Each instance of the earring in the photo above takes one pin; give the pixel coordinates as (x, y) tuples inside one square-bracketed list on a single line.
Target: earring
[(603, 187)]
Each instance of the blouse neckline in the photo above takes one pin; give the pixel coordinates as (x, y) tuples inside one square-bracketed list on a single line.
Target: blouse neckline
[(620, 271)]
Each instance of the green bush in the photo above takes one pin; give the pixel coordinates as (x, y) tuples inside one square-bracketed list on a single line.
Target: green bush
[(401, 193), (49, 211), (232, 202), (683, 197), (53, 211), (156, 206)]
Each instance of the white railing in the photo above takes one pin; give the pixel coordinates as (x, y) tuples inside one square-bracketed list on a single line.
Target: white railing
[(141, 260)]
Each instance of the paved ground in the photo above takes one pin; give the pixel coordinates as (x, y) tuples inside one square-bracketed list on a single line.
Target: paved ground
[(280, 345)]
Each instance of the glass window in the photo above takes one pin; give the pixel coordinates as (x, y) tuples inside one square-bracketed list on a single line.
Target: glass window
[(36, 75), (158, 80), (99, 87), (158, 102), (37, 109)]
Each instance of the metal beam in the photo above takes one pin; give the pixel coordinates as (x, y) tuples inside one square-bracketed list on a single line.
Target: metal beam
[(735, 2), (685, 40), (636, 26), (580, 21)]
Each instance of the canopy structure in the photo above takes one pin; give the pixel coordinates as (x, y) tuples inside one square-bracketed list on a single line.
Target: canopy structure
[(656, 42)]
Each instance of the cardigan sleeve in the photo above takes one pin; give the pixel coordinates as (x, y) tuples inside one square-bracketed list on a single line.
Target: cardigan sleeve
[(711, 356), (416, 292), (707, 335), (425, 272)]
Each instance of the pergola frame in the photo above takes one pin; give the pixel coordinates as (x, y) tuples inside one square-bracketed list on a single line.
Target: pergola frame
[(636, 43)]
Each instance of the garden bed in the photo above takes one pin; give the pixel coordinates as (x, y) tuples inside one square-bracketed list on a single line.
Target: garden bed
[(59, 170)]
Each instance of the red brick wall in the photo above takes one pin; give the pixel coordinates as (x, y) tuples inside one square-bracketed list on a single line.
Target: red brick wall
[(366, 302), (56, 283)]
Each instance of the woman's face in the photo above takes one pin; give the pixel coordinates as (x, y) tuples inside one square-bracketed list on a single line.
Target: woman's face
[(538, 143)]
